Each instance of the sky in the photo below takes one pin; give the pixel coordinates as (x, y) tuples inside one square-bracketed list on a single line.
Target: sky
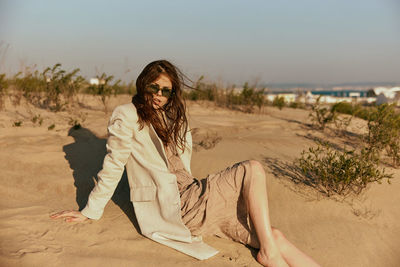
[(298, 41)]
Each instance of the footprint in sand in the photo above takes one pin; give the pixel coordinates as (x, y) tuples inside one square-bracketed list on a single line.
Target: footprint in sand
[(36, 249)]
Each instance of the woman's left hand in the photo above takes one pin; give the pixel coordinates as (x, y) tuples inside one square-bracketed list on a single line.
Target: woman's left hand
[(70, 216)]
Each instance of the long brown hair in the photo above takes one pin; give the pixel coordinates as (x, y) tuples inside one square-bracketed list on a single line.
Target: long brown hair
[(173, 131)]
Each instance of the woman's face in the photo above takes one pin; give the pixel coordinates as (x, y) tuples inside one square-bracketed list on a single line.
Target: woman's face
[(159, 100)]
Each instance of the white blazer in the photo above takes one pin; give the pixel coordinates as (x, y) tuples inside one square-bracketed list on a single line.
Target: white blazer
[(153, 188)]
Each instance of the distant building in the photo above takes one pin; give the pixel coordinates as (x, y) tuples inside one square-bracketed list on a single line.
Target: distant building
[(289, 97), (324, 96), (237, 90), (387, 95), (94, 81), (341, 93)]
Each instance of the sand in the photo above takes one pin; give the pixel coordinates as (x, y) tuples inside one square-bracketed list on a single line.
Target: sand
[(44, 171)]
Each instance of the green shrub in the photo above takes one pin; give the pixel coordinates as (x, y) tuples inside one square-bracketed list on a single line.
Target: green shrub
[(125, 88), (321, 116), (51, 127), (52, 89), (384, 132), (28, 85), (37, 119), (342, 123), (363, 112), (3, 89), (339, 172), (345, 171), (104, 89), (17, 123), (60, 83), (246, 100), (202, 91), (279, 102), (343, 107), (296, 104), (354, 110)]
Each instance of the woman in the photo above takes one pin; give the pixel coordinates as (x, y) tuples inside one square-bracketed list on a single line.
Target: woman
[(152, 138)]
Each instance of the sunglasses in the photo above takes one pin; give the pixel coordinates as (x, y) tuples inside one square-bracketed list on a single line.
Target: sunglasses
[(154, 88)]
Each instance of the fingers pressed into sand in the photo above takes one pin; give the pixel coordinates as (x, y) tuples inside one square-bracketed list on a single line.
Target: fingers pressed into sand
[(62, 214)]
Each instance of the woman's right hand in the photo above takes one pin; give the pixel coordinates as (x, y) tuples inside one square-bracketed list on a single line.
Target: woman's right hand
[(70, 216)]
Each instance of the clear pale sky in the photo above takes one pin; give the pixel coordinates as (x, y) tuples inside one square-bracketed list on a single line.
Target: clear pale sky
[(320, 41)]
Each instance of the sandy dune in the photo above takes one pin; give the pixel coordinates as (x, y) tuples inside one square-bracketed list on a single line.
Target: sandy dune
[(44, 171)]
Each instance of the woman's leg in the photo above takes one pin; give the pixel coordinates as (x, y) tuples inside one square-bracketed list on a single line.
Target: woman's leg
[(273, 245), (292, 255), (255, 195)]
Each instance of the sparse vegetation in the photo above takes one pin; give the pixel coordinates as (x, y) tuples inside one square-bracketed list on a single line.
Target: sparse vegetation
[(202, 91), (330, 171), (76, 122), (296, 104), (245, 100), (322, 115), (28, 85), (353, 110), (341, 172), (3, 89), (279, 102), (248, 98), (17, 123), (56, 89), (58, 84), (344, 107), (37, 119), (208, 142), (104, 89), (384, 132), (346, 171), (53, 88), (342, 123)]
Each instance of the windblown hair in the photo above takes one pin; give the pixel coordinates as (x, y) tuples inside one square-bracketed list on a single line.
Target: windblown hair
[(175, 128)]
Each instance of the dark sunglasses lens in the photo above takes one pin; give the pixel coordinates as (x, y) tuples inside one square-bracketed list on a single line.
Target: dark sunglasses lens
[(166, 92), (153, 88)]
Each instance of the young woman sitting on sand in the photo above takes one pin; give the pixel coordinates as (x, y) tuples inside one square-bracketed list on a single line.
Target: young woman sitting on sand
[(151, 137)]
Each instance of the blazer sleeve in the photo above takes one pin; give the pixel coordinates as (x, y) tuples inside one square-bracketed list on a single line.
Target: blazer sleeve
[(120, 136)]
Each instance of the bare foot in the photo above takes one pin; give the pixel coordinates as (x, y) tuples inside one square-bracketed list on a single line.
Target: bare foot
[(272, 260)]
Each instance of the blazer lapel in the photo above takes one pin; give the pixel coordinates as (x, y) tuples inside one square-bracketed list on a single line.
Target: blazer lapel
[(158, 143), (160, 147)]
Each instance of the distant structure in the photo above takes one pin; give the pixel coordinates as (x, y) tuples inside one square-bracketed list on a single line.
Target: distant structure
[(325, 96), (288, 96), (360, 94), (379, 95), (341, 93), (237, 90), (94, 81), (387, 95)]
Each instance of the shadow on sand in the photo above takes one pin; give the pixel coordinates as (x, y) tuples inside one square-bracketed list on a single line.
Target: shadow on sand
[(85, 157)]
